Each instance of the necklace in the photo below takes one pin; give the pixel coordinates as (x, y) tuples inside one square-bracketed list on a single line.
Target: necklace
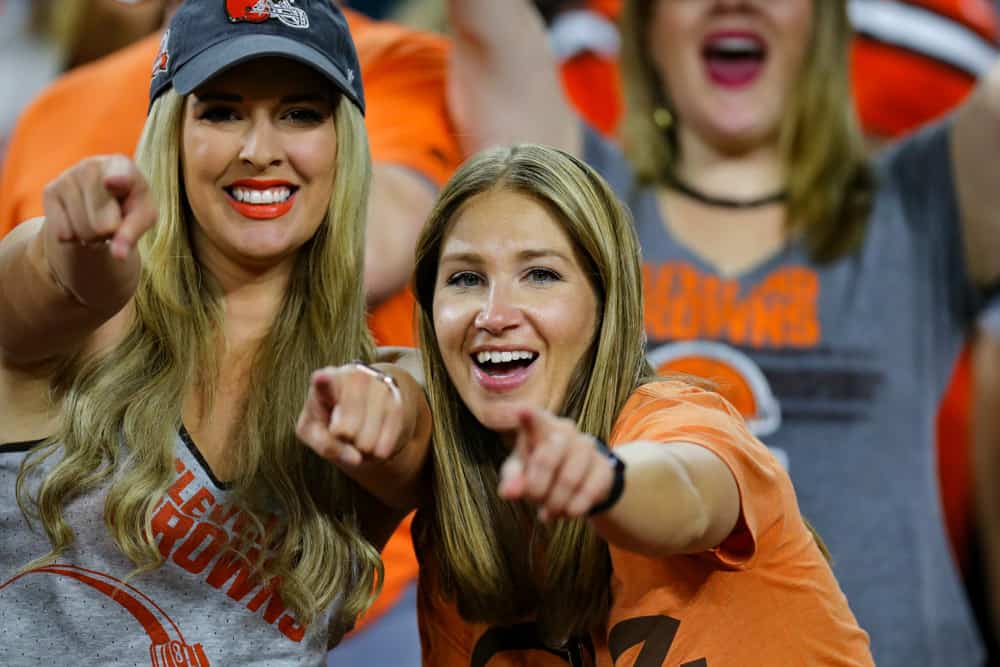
[(724, 202)]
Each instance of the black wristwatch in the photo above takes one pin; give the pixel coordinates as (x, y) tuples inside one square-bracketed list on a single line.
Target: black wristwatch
[(617, 484)]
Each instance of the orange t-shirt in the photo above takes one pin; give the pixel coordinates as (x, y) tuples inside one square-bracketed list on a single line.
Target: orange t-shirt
[(101, 108), (766, 596)]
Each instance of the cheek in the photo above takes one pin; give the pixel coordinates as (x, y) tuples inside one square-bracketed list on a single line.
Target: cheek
[(314, 158), (204, 156), (573, 328), (450, 320), (677, 58), (796, 21)]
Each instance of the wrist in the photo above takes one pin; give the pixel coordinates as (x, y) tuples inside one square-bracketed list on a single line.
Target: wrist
[(618, 479)]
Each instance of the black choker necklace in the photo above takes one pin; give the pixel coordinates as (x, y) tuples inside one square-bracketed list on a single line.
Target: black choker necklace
[(723, 202)]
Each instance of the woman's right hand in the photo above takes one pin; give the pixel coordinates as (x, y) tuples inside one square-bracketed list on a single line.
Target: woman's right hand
[(75, 269), (101, 200), (374, 424), (353, 413)]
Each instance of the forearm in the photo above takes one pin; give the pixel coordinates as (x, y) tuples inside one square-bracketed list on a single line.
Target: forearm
[(400, 480), (387, 271), (400, 201), (53, 295), (499, 94), (489, 23), (975, 146), (986, 463), (678, 498)]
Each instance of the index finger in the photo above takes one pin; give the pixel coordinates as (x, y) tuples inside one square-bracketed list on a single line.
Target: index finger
[(128, 186), (534, 425)]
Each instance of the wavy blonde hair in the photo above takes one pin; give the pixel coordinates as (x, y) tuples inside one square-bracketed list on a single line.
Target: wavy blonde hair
[(829, 179), (472, 541), (134, 392)]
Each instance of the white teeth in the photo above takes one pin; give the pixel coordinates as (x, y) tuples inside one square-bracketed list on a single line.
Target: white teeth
[(269, 196), (736, 45), (503, 357)]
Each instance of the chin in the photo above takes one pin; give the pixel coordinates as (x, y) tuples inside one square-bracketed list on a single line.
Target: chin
[(739, 134), (497, 418)]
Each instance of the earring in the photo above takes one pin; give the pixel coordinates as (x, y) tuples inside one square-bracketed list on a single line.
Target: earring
[(663, 118)]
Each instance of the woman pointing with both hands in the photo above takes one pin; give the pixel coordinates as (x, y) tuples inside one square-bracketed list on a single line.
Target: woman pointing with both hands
[(159, 326)]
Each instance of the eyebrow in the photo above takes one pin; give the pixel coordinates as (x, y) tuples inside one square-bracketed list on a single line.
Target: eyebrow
[(232, 97), (542, 253), (530, 254), (218, 97)]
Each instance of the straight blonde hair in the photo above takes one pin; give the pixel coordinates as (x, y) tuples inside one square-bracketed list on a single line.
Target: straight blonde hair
[(472, 542), (829, 179), (134, 392)]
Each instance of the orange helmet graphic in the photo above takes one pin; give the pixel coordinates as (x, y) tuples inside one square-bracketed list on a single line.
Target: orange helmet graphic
[(734, 374), (168, 648), (258, 11)]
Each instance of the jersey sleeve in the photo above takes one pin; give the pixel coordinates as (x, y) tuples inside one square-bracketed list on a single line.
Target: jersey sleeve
[(678, 412)]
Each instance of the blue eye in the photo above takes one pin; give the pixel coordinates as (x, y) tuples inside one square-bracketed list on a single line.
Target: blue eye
[(543, 275), (463, 279)]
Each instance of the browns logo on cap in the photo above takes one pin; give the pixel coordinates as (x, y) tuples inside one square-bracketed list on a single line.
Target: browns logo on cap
[(258, 11)]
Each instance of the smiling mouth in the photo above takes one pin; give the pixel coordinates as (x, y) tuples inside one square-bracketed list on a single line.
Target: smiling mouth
[(500, 364), (734, 59), (265, 197), (261, 203)]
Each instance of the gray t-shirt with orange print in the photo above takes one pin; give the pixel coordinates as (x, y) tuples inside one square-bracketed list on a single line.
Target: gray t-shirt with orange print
[(839, 369), (201, 608)]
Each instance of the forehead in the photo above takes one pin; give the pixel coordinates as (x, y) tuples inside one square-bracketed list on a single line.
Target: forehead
[(506, 222), (270, 77)]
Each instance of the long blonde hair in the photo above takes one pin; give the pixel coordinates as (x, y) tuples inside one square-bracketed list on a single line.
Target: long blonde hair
[(472, 541), (134, 392), (829, 180)]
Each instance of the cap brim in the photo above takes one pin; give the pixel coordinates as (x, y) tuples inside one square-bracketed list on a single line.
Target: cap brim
[(216, 59)]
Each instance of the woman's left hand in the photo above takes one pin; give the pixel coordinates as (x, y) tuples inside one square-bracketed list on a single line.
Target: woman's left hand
[(556, 466), (352, 413)]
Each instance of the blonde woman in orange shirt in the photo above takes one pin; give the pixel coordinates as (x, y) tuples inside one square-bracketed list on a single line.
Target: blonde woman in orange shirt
[(682, 543)]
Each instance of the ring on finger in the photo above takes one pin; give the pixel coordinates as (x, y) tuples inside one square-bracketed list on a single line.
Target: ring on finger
[(384, 378)]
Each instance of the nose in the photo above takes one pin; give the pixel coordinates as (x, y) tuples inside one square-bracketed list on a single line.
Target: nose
[(262, 144), (499, 313)]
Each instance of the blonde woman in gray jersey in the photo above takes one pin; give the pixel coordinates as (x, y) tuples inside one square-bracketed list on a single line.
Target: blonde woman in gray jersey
[(159, 328), (827, 293)]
